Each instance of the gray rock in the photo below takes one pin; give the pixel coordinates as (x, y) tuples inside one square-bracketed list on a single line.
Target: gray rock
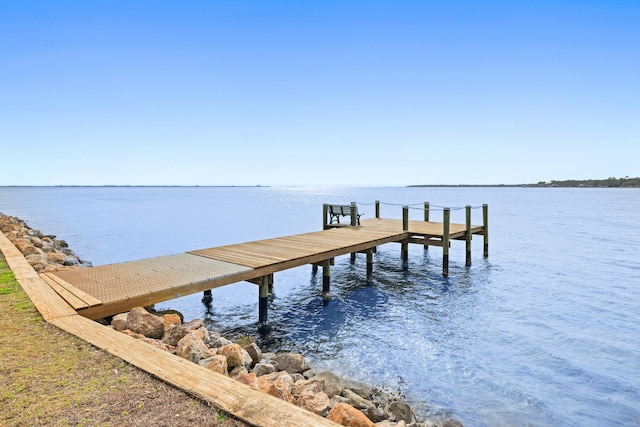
[(261, 369), (450, 422), (293, 363), (376, 414), (255, 352), (402, 411), (333, 384), (70, 261), (220, 342), (355, 400), (361, 389)]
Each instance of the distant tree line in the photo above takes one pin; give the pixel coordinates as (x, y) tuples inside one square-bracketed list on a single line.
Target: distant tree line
[(610, 182)]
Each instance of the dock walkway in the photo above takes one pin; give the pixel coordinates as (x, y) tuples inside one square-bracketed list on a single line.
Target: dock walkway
[(115, 288)]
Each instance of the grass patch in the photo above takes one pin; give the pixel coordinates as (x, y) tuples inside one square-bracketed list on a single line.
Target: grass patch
[(51, 378)]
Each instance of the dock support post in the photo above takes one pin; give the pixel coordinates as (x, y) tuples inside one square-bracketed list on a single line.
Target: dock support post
[(426, 219), (326, 280), (206, 297), (405, 227), (485, 222), (468, 235), (314, 268), (378, 209), (445, 241), (353, 257), (263, 300), (325, 213), (354, 217), (369, 264)]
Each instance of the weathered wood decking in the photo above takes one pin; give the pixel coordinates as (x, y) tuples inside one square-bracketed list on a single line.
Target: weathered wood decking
[(109, 289)]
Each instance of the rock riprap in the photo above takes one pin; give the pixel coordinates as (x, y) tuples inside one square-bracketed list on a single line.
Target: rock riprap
[(284, 375), (43, 252)]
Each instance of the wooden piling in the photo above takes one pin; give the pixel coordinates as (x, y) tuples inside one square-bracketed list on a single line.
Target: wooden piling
[(485, 222), (405, 227), (354, 214), (326, 280), (445, 241), (468, 235), (369, 264), (207, 298), (325, 215), (378, 209), (426, 219), (263, 301)]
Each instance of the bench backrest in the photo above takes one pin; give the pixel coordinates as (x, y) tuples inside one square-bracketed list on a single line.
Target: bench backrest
[(340, 210)]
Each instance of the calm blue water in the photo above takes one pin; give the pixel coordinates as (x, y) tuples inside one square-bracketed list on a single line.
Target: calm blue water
[(544, 332)]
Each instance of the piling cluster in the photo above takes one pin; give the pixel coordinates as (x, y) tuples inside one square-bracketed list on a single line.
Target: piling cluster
[(42, 251), (284, 375)]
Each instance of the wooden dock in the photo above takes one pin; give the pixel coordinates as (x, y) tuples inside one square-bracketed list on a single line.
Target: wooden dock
[(101, 291), (69, 298)]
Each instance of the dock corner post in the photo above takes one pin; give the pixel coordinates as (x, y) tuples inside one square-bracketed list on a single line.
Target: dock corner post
[(426, 219), (369, 264), (326, 280), (263, 300), (405, 228), (485, 227), (354, 214), (378, 209), (468, 234), (445, 241), (325, 213)]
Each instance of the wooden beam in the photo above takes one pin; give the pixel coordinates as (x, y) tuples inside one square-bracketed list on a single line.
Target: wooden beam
[(249, 405)]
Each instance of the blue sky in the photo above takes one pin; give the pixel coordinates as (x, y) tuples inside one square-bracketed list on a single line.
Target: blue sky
[(318, 93)]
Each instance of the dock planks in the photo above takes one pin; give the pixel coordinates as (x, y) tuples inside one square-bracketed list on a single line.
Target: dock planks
[(120, 287)]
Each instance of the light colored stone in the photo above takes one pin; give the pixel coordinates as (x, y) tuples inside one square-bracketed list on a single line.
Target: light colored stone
[(247, 360), (293, 363), (238, 371), (249, 379), (255, 352), (194, 324), (333, 384), (355, 400), (318, 403), (141, 321), (192, 348), (171, 319), (119, 321), (360, 388), (264, 369), (233, 352), (56, 257), (348, 416), (277, 384), (217, 363)]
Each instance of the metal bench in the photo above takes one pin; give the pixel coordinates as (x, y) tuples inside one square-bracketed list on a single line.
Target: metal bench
[(336, 211)]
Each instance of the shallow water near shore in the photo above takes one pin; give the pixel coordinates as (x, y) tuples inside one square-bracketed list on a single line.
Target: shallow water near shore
[(546, 331)]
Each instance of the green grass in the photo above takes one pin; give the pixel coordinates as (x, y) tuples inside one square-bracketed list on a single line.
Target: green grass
[(51, 378)]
